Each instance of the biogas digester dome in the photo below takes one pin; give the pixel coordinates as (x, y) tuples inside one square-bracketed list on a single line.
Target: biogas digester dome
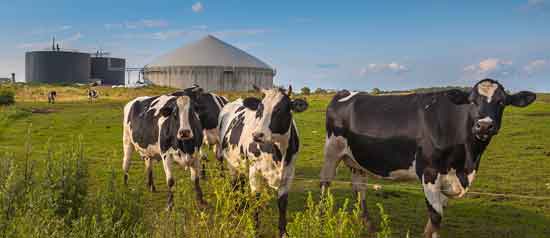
[(212, 64)]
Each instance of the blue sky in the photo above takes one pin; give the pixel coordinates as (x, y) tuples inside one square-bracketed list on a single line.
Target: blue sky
[(348, 44)]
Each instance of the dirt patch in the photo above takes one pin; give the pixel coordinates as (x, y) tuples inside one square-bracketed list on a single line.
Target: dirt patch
[(538, 114), (42, 110)]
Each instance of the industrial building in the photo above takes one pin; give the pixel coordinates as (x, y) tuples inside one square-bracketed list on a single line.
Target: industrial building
[(63, 66), (57, 67), (109, 70), (212, 64)]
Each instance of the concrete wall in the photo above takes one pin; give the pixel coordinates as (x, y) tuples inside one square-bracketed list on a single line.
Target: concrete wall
[(210, 78), (57, 67)]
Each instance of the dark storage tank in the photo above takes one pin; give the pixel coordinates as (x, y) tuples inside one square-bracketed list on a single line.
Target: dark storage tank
[(109, 70), (57, 67)]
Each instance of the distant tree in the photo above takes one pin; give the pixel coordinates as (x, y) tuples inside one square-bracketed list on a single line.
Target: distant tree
[(320, 91), (375, 91), (305, 91)]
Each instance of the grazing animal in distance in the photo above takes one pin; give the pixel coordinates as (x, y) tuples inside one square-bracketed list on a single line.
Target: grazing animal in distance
[(51, 97), (259, 140), (164, 128), (437, 138), (92, 95)]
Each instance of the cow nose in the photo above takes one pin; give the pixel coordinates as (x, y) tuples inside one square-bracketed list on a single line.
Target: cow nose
[(185, 134), (258, 136), (484, 127)]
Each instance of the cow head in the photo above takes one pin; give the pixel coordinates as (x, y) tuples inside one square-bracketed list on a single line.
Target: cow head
[(488, 100), (273, 112), (177, 114)]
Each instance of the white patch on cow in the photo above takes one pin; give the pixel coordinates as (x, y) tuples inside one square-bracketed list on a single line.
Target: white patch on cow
[(486, 119), (348, 97), (487, 89), (183, 109), (433, 194), (404, 174), (159, 103), (471, 177)]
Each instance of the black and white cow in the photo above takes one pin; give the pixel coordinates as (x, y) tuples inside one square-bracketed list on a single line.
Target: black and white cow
[(163, 128), (437, 138), (92, 95), (51, 97), (259, 140), (208, 107)]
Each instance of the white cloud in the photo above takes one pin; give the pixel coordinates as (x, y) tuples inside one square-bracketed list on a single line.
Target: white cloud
[(392, 67), (47, 44), (536, 65), (197, 7), (490, 67), (143, 23)]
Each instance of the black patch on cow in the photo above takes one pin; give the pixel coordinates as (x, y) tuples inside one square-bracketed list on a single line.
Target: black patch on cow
[(382, 155), (260, 111), (239, 109), (236, 129), (143, 122), (281, 116), (293, 145), (252, 103), (257, 148)]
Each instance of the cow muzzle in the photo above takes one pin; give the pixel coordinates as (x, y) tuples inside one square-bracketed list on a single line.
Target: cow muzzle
[(484, 129), (185, 134)]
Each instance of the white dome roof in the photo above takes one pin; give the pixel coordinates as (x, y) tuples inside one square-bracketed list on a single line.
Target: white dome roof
[(209, 51)]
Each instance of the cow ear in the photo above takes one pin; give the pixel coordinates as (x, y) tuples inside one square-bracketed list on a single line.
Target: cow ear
[(251, 103), (299, 105), (522, 99), (458, 97), (166, 111)]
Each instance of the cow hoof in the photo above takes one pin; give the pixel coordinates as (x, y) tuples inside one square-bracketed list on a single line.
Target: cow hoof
[(153, 189), (125, 180)]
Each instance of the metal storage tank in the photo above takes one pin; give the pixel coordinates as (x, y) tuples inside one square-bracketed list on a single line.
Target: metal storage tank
[(109, 70), (57, 67), (212, 64)]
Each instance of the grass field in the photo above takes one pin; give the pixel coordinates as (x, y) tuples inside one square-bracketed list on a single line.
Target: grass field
[(517, 162)]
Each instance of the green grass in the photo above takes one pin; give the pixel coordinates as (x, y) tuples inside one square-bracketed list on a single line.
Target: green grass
[(516, 162)]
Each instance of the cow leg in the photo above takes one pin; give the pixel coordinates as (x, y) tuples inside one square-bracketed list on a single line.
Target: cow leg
[(359, 187), (149, 171), (195, 169), (127, 149), (282, 202), (204, 157), (333, 156), (167, 164), (434, 200)]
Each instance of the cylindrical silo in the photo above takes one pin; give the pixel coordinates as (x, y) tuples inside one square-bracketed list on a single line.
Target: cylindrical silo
[(109, 70), (57, 67)]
